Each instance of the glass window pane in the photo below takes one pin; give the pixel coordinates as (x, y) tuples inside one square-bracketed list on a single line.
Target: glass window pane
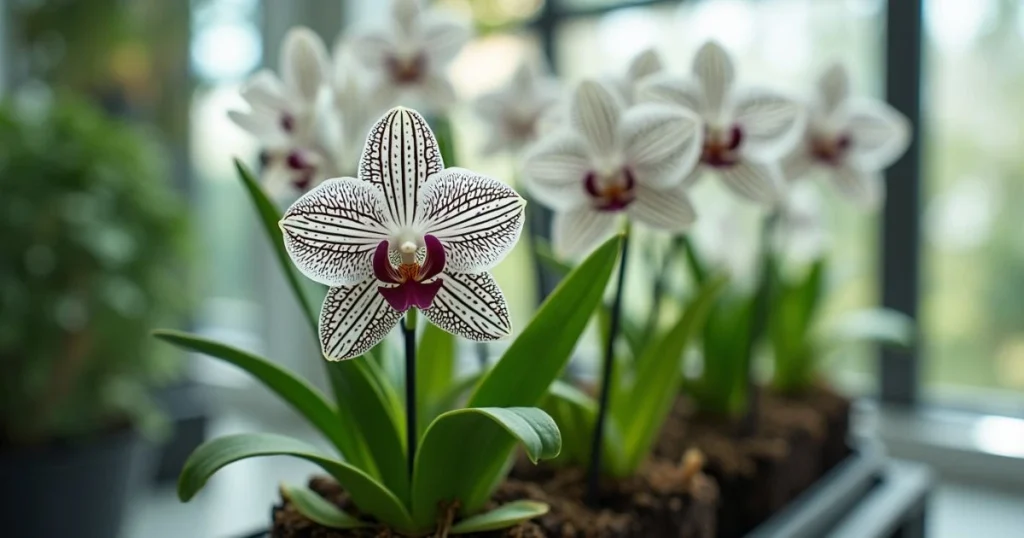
[(972, 309)]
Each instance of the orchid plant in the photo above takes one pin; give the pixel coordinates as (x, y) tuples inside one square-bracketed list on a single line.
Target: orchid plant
[(513, 113), (408, 235)]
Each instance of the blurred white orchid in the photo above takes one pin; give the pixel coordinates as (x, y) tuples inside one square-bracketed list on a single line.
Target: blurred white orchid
[(800, 233), (613, 160), (409, 58), (514, 111), (641, 67), (407, 233), (285, 116), (353, 112), (745, 132), (851, 140)]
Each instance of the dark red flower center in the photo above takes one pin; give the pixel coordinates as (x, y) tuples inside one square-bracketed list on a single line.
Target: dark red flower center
[(830, 149), (288, 123), (407, 70), (721, 148), (408, 281), (613, 192)]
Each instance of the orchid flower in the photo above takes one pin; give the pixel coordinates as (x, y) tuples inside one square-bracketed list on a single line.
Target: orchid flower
[(407, 233), (800, 234), (354, 112), (611, 161), (285, 113), (513, 112), (641, 67), (409, 59), (852, 140), (745, 132)]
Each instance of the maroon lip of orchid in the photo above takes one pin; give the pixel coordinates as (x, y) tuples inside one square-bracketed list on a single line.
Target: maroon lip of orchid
[(411, 290), (830, 150), (614, 196), (721, 153), (407, 71)]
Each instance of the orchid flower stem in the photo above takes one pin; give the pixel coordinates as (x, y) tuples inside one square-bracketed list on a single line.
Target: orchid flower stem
[(594, 473), (411, 433), (759, 322)]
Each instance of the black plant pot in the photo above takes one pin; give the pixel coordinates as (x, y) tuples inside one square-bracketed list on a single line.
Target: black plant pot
[(75, 490)]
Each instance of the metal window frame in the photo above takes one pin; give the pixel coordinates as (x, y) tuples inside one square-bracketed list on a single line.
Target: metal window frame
[(899, 245)]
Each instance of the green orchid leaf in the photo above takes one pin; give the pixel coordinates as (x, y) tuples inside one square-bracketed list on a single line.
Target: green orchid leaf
[(539, 354), (298, 393), (722, 386), (658, 377), (464, 454), (575, 414), (435, 371), (542, 249), (368, 494), (371, 410), (457, 391), (269, 218), (503, 517), (319, 510), (442, 127)]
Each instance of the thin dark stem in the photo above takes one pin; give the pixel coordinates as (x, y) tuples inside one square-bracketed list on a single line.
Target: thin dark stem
[(596, 445), (411, 433), (758, 324), (482, 355), (697, 270)]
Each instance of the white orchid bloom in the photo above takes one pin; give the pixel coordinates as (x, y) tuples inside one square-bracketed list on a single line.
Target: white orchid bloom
[(407, 233), (285, 113), (514, 111), (800, 234), (851, 140), (354, 110), (612, 161), (641, 68), (745, 132), (409, 59)]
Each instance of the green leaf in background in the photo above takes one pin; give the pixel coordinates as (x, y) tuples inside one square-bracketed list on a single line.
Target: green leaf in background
[(370, 409), (575, 414), (269, 218), (875, 325), (294, 390), (502, 517), (319, 510), (369, 495), (435, 371), (442, 128), (658, 377), (464, 452), (539, 354), (723, 383)]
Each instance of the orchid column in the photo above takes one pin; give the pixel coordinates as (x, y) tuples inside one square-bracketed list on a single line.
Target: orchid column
[(607, 163), (406, 235)]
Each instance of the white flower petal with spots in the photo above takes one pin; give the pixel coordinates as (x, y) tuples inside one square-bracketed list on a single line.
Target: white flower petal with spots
[(472, 306), (555, 168), (400, 153), (478, 219), (354, 319), (331, 232)]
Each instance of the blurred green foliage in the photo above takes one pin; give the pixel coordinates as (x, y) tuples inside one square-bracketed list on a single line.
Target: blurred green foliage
[(92, 248)]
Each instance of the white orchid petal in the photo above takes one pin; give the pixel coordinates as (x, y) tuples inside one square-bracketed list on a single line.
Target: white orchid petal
[(443, 39), (754, 180), (470, 305), (555, 169), (331, 231), (354, 319), (400, 153), (577, 231), (669, 209), (797, 164), (477, 219), (594, 112), (643, 65), (661, 142), (863, 188), (437, 91), (879, 134), (265, 90), (304, 63), (672, 90), (715, 74), (371, 50), (771, 123), (833, 89), (262, 124)]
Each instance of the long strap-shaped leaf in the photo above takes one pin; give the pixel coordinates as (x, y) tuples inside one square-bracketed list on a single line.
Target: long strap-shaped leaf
[(502, 517), (369, 495), (538, 355), (657, 378), (269, 219), (370, 408), (302, 396), (318, 509), (463, 450)]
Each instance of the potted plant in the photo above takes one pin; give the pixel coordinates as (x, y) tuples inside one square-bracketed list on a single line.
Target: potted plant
[(93, 239)]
